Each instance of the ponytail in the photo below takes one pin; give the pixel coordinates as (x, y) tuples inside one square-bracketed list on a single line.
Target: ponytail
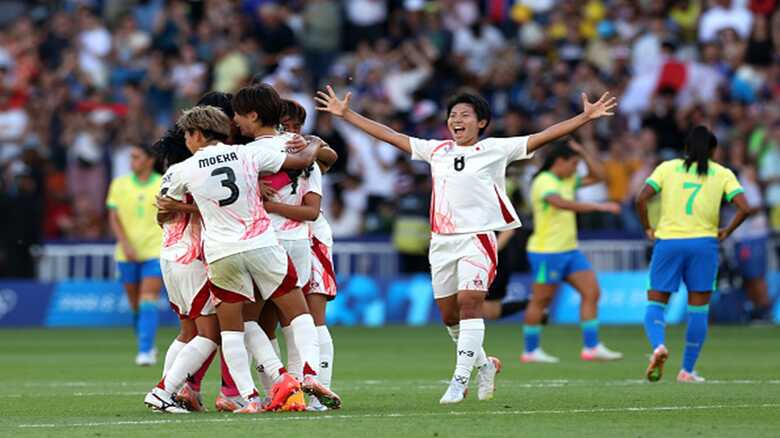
[(698, 149), (561, 150), (171, 148)]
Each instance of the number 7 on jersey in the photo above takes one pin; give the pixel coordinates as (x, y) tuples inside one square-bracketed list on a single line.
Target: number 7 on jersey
[(696, 188)]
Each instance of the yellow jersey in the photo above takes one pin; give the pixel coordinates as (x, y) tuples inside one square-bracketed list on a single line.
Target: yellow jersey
[(555, 229), (690, 203), (134, 203)]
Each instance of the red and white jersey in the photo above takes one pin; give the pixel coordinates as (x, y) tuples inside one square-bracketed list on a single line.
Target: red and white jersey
[(469, 183), (182, 235), (223, 181), (290, 191)]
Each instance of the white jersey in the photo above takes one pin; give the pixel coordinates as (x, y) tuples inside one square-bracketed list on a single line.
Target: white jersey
[(181, 235), (469, 183), (290, 191), (223, 181)]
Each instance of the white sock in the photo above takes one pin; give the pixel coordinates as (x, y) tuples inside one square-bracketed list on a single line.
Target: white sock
[(275, 343), (237, 361), (454, 332), (307, 343), (259, 347), (187, 362), (171, 354), (294, 363), (472, 333), (326, 355)]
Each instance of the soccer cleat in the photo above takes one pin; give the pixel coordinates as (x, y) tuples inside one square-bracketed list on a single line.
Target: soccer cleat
[(327, 397), (692, 377), (656, 368), (146, 359), (486, 378), (600, 353), (538, 356), (456, 392), (163, 401), (314, 405), (253, 406), (285, 387), (190, 399), (224, 403), (295, 403)]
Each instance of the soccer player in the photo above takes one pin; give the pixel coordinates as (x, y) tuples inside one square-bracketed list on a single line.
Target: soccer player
[(321, 286), (468, 205), (245, 261), (132, 217), (553, 253), (686, 243)]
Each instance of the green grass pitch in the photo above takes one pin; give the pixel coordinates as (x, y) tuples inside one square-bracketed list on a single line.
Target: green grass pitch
[(82, 383)]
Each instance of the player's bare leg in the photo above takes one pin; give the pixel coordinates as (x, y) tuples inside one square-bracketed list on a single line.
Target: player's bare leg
[(541, 297), (587, 286)]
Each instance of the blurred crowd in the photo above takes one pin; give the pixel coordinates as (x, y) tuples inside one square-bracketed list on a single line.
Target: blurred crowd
[(83, 81)]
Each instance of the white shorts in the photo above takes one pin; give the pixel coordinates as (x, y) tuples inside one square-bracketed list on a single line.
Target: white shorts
[(269, 269), (300, 254), (323, 277), (188, 288), (462, 262)]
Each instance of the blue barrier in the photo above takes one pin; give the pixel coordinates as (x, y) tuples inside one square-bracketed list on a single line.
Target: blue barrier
[(362, 300)]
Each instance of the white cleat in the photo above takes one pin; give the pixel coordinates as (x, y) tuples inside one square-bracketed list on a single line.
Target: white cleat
[(600, 353), (538, 356), (163, 401), (146, 359), (314, 405), (456, 392), (486, 378), (686, 377)]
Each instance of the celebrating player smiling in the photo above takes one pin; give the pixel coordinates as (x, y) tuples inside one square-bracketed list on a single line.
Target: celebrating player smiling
[(468, 204)]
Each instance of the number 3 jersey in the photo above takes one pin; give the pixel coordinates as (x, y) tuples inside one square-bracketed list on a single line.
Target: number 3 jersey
[(690, 203), (469, 183), (223, 181)]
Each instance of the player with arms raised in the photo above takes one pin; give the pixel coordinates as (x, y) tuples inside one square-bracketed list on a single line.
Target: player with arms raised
[(468, 204)]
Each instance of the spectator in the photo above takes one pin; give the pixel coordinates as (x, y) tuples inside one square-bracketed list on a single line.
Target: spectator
[(321, 37), (724, 14)]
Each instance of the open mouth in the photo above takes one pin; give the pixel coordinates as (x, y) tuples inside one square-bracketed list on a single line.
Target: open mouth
[(458, 130)]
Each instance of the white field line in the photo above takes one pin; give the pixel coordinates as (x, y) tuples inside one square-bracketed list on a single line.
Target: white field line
[(271, 417), (387, 385)]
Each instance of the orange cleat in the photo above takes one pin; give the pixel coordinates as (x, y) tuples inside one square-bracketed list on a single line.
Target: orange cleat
[(656, 368), (190, 399), (281, 391), (328, 398), (295, 403)]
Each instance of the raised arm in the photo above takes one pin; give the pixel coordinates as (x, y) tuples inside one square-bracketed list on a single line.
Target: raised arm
[(641, 208), (303, 159), (605, 106), (596, 170), (329, 102), (582, 207)]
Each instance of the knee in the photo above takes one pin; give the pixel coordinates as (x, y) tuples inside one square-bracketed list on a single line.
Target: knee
[(470, 306), (450, 319)]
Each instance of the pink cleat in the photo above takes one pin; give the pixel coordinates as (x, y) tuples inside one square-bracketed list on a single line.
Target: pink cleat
[(190, 399), (328, 398), (656, 368), (692, 377)]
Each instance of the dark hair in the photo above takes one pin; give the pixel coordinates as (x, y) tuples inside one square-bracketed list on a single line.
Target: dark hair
[(171, 148), (560, 150), (293, 110), (480, 105), (261, 99), (698, 149), (220, 100)]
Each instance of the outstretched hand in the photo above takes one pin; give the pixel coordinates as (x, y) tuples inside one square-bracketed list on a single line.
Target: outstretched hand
[(605, 106), (576, 147), (329, 102)]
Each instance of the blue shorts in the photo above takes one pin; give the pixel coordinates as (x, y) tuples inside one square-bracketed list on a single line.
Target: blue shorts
[(134, 272), (554, 267), (752, 257), (694, 261)]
